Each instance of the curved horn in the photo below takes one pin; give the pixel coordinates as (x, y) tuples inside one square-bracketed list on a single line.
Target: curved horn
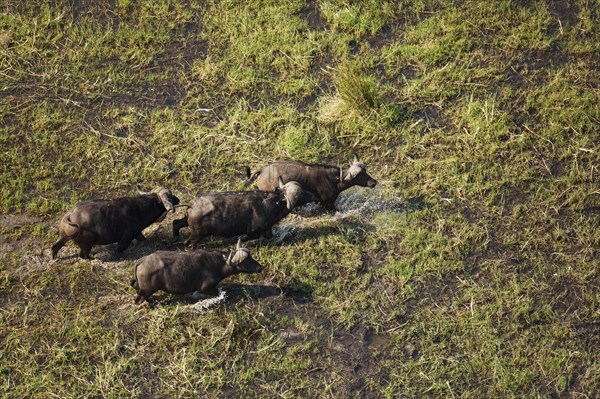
[(139, 189), (341, 174), (280, 182), (351, 174), (166, 201), (355, 158), (228, 261), (239, 244)]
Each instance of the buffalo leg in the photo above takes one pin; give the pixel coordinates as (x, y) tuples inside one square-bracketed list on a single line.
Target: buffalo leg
[(193, 240), (86, 240), (268, 233), (141, 297), (210, 291), (123, 244), (329, 205), (179, 224), (190, 243), (85, 249), (58, 245), (252, 236)]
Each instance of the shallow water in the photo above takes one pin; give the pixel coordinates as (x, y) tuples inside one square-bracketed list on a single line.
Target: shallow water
[(357, 202), (364, 203)]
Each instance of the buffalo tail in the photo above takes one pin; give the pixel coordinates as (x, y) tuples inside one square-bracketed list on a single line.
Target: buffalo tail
[(133, 280)]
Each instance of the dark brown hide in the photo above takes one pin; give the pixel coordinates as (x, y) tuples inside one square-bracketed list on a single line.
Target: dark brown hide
[(185, 272), (120, 220), (229, 214), (326, 182)]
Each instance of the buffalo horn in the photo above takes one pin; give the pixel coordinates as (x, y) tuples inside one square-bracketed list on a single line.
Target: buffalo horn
[(165, 199), (139, 189)]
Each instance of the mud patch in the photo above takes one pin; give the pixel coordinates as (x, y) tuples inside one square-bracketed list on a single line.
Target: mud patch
[(14, 237), (18, 220)]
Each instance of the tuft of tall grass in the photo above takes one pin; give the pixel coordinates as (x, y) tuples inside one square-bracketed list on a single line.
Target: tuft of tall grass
[(356, 88), (356, 95)]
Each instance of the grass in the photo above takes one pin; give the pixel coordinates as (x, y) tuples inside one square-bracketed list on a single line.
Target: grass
[(470, 271)]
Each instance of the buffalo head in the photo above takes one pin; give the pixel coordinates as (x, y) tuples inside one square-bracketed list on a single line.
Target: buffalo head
[(241, 260), (357, 174), (292, 191), (166, 196)]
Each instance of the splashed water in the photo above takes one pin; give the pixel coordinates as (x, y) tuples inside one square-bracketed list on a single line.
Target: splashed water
[(309, 210), (281, 231), (364, 203), (356, 202), (204, 304)]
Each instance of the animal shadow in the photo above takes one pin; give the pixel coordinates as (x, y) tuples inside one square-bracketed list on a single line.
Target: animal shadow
[(243, 292), (238, 293), (349, 228)]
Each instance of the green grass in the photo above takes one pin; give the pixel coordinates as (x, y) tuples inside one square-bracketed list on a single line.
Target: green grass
[(470, 271)]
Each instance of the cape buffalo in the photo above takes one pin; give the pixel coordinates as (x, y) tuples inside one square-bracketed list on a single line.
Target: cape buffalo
[(185, 272), (229, 214), (326, 182), (100, 222)]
